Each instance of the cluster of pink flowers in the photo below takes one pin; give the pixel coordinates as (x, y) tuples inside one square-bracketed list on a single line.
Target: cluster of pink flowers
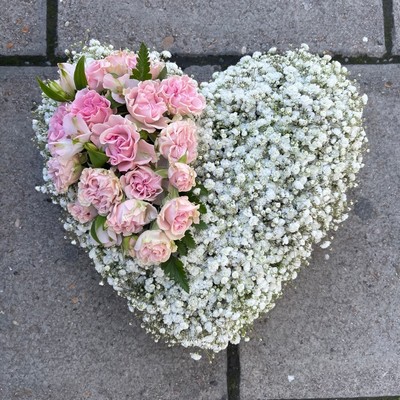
[(143, 132)]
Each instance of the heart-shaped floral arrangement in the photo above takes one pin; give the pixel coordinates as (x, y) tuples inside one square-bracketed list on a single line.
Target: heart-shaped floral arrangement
[(198, 220)]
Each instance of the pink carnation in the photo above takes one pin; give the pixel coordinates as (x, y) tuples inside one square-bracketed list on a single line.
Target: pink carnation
[(81, 213), (64, 172), (176, 216), (122, 143), (101, 188), (142, 183), (146, 107), (181, 95), (181, 176), (56, 130), (130, 216), (92, 107), (153, 247), (177, 140)]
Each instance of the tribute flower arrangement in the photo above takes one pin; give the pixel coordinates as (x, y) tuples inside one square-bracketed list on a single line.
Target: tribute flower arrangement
[(197, 205)]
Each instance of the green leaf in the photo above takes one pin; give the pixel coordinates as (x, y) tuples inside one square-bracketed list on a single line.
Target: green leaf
[(96, 156), (203, 190), (201, 225), (98, 222), (189, 241), (125, 243), (142, 69), (154, 225), (192, 197), (144, 135), (202, 209), (174, 269), (79, 74), (183, 159), (182, 248), (162, 172), (52, 93), (173, 192), (152, 136), (163, 74)]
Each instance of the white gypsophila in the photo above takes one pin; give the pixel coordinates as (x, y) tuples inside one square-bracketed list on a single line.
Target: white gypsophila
[(281, 141)]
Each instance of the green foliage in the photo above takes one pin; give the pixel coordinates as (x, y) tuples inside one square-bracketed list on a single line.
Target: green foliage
[(142, 70), (54, 91), (97, 223), (163, 74), (79, 74), (182, 248), (96, 156), (189, 241), (175, 271)]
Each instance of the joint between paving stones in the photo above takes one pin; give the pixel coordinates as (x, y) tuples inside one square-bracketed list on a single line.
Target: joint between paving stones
[(184, 61), (51, 30), (388, 25), (233, 372)]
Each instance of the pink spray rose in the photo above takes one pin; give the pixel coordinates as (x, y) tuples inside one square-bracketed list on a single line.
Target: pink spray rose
[(154, 247), (121, 62), (75, 134), (178, 139), (176, 216), (181, 176), (101, 188), (182, 96), (92, 107), (146, 107), (122, 143), (141, 183), (64, 172), (130, 216), (81, 213), (95, 72), (155, 68)]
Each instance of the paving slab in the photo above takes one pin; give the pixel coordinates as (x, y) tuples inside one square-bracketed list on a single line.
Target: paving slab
[(23, 28), (62, 336), (396, 30), (197, 27), (336, 330)]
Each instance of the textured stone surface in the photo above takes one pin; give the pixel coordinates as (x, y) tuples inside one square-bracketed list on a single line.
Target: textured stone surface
[(335, 333), (396, 30), (62, 336), (226, 27), (23, 27)]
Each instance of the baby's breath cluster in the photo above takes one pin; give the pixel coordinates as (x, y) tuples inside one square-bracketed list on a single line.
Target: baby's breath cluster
[(280, 143)]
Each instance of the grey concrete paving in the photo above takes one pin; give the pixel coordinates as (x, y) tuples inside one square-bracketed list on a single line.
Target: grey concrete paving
[(23, 28), (347, 27), (62, 336), (336, 331), (396, 30)]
